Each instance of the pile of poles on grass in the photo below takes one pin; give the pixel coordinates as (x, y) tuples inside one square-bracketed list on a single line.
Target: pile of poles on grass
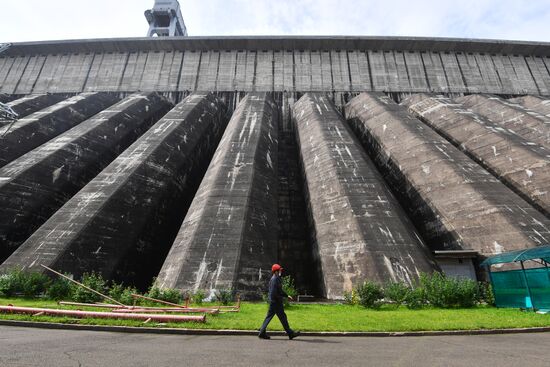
[(117, 310)]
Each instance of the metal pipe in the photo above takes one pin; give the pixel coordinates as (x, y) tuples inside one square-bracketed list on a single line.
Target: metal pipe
[(103, 315), (117, 308), (180, 310)]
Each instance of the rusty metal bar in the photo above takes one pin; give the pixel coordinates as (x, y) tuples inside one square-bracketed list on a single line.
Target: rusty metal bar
[(102, 315), (162, 310)]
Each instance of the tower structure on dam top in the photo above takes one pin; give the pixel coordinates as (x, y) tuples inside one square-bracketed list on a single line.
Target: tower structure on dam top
[(200, 161), (165, 19)]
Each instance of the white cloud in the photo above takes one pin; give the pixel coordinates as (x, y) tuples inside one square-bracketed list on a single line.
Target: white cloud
[(65, 19)]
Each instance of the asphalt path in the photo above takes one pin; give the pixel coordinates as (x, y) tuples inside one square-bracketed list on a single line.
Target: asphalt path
[(42, 347)]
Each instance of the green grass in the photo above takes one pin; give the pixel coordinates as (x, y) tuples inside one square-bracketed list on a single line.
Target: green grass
[(329, 317)]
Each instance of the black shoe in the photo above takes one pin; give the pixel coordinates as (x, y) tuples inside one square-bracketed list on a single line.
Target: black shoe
[(264, 336), (294, 335)]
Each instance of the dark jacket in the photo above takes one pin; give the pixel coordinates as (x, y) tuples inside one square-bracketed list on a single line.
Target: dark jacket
[(276, 293)]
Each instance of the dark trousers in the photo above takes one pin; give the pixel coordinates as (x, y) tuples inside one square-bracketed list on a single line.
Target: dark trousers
[(276, 308)]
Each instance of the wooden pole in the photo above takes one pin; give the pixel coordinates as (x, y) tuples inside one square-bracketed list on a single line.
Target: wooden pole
[(83, 286)]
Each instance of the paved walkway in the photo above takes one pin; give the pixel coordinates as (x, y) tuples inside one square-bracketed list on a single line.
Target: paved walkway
[(41, 347)]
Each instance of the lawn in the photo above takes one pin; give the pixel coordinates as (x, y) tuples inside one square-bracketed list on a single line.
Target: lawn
[(326, 317)]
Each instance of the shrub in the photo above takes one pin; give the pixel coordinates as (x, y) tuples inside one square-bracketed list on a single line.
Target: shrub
[(11, 283), (446, 292), (224, 296), (165, 294), (396, 292), (486, 293), (34, 284), (115, 291), (289, 288), (198, 297), (415, 298), (171, 295), (350, 298), (122, 294), (60, 289), (29, 284), (126, 296), (93, 281), (370, 294)]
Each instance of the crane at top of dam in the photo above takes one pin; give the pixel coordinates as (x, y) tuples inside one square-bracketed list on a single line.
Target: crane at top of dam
[(165, 19)]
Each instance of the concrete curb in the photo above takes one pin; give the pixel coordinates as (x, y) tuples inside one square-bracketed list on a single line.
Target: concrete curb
[(174, 331)]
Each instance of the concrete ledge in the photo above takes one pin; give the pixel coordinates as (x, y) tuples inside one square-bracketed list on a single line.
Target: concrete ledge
[(174, 331), (279, 43)]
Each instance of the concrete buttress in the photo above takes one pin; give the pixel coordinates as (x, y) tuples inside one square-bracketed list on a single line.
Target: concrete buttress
[(359, 229), (24, 106), (37, 128), (228, 239), (38, 183), (532, 126), (522, 166), (455, 203), (122, 223)]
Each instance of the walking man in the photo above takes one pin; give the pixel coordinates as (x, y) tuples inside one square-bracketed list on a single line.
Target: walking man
[(276, 307)]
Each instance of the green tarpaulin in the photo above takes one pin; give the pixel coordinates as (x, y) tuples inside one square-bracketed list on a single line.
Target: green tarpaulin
[(541, 252), (525, 288)]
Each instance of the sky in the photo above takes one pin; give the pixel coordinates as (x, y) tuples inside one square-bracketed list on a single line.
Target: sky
[(39, 20)]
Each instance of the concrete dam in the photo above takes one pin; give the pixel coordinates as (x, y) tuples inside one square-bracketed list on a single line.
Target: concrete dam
[(201, 161)]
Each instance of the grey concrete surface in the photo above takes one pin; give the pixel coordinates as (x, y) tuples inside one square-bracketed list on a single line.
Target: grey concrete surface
[(359, 229), (454, 202), (34, 186), (537, 104), (228, 239), (529, 124), (341, 64), (41, 126), (150, 186), (38, 347), (524, 167)]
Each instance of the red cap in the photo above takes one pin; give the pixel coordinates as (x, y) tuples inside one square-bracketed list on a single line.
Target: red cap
[(276, 267)]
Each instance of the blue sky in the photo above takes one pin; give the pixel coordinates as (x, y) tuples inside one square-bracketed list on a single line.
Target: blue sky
[(33, 20)]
